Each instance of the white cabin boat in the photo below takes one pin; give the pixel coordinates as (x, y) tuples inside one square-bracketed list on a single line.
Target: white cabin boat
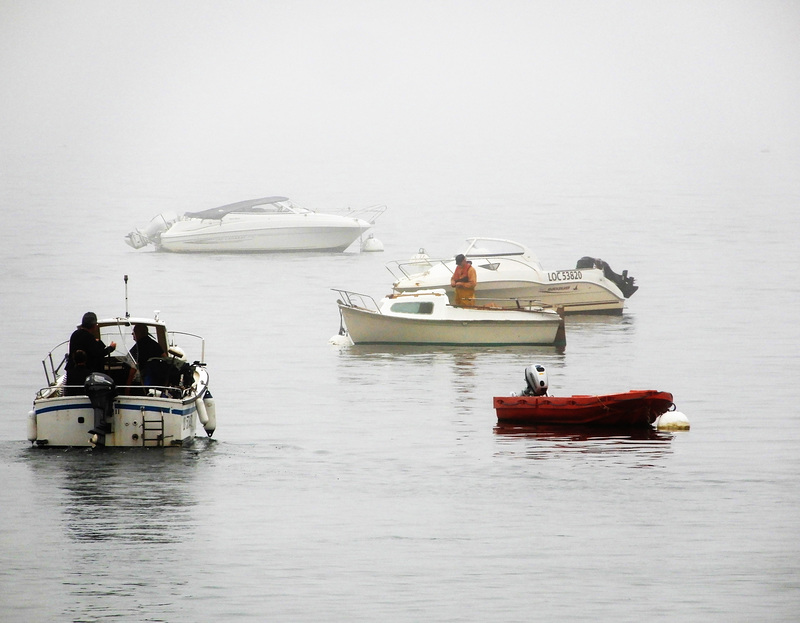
[(508, 271), (427, 317), (269, 224), (105, 411)]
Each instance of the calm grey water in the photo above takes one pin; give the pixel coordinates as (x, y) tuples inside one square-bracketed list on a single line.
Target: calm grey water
[(367, 483)]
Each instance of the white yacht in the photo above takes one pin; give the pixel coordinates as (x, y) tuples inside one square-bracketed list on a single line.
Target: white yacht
[(269, 224), (508, 271)]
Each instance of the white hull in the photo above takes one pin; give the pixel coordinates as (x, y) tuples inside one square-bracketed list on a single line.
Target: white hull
[(137, 421), (446, 324), (314, 232)]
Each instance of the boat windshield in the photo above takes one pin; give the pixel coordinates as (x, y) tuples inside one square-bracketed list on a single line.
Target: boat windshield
[(274, 207), (120, 333), (266, 205), (191, 346), (488, 247)]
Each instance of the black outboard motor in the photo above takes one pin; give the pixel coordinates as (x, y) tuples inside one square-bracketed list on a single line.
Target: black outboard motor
[(535, 381), (623, 282), (101, 390)]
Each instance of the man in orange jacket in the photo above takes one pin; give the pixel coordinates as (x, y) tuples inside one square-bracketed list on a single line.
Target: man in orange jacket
[(463, 282)]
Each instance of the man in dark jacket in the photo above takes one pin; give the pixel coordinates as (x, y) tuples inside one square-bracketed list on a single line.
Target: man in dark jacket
[(142, 352), (86, 338)]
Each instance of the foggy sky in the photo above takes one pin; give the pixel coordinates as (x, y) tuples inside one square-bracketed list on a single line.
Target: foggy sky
[(194, 82)]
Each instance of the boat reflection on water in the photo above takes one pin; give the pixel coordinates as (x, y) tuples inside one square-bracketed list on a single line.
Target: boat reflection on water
[(122, 524), (620, 328), (644, 446), (126, 495)]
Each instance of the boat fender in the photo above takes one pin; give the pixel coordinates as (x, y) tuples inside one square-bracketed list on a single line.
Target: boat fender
[(372, 244), (340, 340), (32, 429), (211, 411), (202, 414), (672, 420)]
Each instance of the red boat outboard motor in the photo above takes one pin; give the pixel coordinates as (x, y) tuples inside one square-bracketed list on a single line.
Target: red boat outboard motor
[(535, 381), (101, 390)]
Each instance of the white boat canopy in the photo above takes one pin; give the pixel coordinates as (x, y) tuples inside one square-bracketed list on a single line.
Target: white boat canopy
[(252, 206)]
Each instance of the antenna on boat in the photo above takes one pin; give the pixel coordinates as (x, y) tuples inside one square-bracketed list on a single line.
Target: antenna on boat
[(127, 315)]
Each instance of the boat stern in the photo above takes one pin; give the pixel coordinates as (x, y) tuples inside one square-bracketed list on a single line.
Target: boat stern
[(134, 421)]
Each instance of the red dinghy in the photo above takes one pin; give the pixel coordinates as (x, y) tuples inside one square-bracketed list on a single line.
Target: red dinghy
[(633, 409)]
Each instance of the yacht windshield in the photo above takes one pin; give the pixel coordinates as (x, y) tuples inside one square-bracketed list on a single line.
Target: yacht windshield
[(487, 247), (277, 207), (267, 205)]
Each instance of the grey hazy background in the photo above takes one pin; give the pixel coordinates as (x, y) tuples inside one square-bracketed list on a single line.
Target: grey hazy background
[(158, 95)]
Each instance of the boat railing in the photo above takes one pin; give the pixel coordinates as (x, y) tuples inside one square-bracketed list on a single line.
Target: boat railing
[(55, 363), (415, 266), (202, 342), (406, 269), (357, 300), (150, 391), (369, 214)]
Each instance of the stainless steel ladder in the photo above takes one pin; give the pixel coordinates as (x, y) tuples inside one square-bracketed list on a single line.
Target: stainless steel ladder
[(152, 430)]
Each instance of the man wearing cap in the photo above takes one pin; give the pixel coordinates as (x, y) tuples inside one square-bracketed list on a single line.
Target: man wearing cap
[(463, 282), (87, 339)]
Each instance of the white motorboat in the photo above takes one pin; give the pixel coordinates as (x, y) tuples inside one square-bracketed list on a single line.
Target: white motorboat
[(105, 411), (508, 271), (427, 317), (259, 225)]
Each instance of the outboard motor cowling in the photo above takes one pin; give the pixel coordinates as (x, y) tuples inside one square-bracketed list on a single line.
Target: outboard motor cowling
[(535, 381), (101, 390), (627, 285)]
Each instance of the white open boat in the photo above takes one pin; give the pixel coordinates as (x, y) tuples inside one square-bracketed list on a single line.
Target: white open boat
[(107, 412), (427, 317), (259, 225), (508, 271)]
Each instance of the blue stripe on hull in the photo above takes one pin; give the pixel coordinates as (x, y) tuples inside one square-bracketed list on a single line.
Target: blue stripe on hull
[(62, 407), (133, 407), (120, 406)]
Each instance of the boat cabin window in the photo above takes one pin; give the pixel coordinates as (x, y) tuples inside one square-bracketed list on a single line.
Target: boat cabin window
[(413, 307)]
